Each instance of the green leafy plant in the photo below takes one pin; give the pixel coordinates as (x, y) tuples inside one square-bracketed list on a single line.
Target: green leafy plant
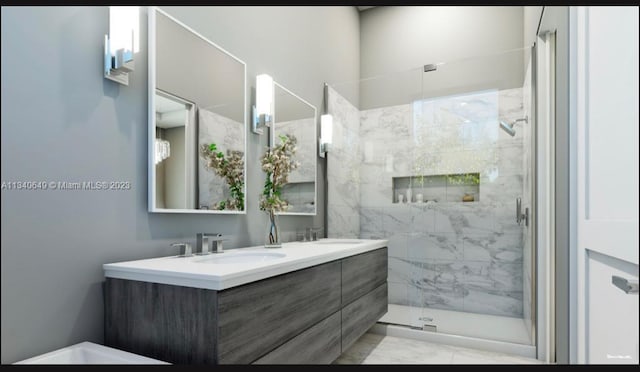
[(464, 179), (229, 167)]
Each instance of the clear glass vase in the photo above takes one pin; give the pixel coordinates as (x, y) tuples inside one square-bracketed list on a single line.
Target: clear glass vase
[(273, 239)]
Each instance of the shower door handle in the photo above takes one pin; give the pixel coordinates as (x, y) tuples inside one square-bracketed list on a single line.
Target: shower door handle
[(521, 216), (628, 286)]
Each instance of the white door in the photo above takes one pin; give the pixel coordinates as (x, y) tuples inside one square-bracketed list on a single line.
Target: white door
[(604, 66)]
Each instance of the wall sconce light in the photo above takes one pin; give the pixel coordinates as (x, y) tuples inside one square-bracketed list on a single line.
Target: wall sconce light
[(163, 147), (326, 134), (263, 110), (163, 150), (121, 43)]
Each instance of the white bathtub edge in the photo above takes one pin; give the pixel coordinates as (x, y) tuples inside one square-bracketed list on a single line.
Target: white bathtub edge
[(118, 354)]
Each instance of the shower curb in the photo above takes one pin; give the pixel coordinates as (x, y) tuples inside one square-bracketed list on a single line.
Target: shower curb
[(527, 351)]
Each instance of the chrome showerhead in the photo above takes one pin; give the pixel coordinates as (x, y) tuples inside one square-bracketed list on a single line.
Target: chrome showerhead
[(509, 127)]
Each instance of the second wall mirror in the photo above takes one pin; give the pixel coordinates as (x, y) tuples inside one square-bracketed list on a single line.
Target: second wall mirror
[(295, 117), (197, 122)]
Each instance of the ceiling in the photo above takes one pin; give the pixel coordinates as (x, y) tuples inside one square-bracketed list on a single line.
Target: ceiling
[(169, 113), (361, 8)]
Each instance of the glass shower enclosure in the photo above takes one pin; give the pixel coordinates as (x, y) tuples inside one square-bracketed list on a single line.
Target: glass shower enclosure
[(438, 161)]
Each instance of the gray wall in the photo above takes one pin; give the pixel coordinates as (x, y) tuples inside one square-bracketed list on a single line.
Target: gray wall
[(62, 121), (399, 40), (178, 51)]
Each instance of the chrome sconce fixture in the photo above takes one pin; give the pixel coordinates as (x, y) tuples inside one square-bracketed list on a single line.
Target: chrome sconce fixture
[(326, 134), (121, 43), (263, 109), (326, 126)]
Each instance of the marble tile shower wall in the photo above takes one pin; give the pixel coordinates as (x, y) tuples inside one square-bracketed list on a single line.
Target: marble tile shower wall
[(343, 169), (447, 255)]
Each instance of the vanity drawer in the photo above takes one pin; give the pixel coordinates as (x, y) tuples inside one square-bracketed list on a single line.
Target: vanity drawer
[(259, 317), (319, 344), (363, 273), (360, 315)]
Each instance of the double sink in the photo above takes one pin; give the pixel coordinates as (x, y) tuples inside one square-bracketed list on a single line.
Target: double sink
[(238, 266)]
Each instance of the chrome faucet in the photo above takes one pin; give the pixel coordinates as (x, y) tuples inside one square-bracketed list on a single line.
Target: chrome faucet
[(316, 232), (187, 249), (203, 241), (311, 234)]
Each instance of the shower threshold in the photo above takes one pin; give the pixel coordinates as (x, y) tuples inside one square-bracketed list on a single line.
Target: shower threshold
[(478, 331), (492, 327)]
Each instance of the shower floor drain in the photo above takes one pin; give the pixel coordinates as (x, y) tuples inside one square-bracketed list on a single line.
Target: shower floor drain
[(429, 328)]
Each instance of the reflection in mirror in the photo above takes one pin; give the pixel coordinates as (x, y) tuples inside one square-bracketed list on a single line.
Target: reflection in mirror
[(174, 124), (296, 118), (198, 130), (221, 169)]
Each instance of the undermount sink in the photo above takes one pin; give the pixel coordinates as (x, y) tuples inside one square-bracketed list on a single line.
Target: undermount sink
[(240, 257), (339, 241)]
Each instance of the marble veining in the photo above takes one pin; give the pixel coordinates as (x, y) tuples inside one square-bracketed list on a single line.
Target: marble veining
[(341, 223), (343, 174), (304, 130), (484, 287)]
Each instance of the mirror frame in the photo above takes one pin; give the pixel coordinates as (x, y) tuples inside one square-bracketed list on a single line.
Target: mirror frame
[(315, 147), (151, 192)]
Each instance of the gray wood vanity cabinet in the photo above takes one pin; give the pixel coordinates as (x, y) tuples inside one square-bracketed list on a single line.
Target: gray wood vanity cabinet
[(307, 316)]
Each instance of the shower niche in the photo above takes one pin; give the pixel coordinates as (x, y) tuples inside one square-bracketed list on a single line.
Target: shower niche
[(459, 187)]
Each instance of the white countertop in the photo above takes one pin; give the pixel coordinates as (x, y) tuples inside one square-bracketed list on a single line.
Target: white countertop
[(189, 272)]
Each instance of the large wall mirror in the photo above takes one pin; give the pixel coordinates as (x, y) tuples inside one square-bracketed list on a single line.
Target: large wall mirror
[(295, 117), (197, 122)]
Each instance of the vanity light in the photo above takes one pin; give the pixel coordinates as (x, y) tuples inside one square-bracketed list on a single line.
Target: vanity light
[(326, 133), (263, 110), (163, 150), (121, 43), (162, 147)]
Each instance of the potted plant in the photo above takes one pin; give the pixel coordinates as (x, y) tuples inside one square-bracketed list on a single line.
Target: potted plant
[(277, 163)]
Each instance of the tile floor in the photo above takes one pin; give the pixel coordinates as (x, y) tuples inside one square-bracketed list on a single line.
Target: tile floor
[(379, 349)]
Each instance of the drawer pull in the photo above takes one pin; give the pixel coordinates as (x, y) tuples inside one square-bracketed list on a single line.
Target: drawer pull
[(628, 286)]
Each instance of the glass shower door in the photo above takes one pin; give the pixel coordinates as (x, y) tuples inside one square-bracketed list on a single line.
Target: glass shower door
[(442, 157)]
